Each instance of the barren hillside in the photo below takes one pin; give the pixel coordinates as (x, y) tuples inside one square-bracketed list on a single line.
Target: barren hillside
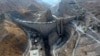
[(12, 39), (91, 5)]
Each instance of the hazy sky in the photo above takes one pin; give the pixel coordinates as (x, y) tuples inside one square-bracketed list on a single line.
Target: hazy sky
[(51, 2)]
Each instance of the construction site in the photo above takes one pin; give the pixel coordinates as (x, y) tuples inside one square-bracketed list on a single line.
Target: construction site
[(49, 28)]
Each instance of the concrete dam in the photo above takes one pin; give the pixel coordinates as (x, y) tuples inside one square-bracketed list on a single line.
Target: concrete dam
[(48, 30)]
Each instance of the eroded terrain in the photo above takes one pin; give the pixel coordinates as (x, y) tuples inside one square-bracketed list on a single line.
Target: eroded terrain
[(13, 40)]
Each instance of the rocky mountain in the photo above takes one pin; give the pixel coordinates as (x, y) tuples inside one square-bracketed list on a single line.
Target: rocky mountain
[(68, 6), (46, 16), (91, 5), (13, 40), (19, 5)]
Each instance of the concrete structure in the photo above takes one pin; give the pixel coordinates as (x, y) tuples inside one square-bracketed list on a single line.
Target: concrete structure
[(41, 30), (34, 53)]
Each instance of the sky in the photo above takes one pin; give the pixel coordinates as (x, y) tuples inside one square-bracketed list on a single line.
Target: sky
[(51, 2)]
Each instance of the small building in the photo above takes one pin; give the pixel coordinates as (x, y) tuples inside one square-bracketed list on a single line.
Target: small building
[(34, 52)]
